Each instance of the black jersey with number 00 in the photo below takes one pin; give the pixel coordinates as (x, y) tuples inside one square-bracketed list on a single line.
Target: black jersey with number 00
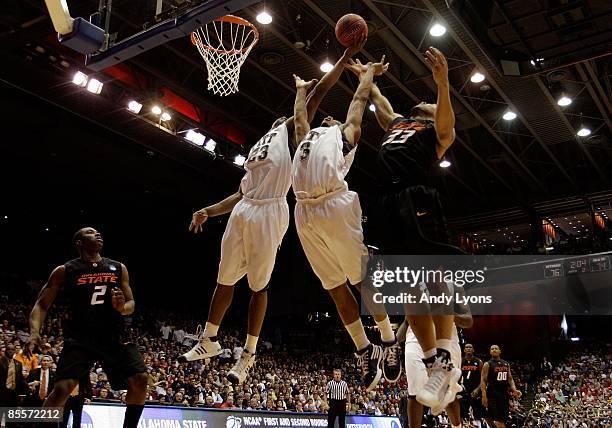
[(470, 370), (408, 151), (499, 373), (89, 297)]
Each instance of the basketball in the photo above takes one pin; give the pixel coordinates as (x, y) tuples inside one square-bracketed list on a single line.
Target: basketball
[(349, 28)]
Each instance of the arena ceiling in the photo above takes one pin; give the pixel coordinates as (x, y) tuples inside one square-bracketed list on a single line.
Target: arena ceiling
[(531, 53)]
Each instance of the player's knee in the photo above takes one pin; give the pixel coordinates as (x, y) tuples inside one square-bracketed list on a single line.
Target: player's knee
[(225, 286), (338, 290), (258, 288), (62, 389), (138, 381)]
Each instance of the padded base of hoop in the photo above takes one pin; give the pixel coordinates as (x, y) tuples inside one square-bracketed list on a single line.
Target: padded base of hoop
[(85, 37), (165, 31)]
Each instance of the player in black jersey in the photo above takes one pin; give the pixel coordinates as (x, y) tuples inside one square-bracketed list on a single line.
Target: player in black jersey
[(495, 382), (408, 218), (98, 294), (471, 367)]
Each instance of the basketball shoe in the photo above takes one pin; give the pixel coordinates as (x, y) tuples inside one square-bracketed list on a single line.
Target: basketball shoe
[(442, 373), (392, 363), (239, 372), (369, 361), (205, 348)]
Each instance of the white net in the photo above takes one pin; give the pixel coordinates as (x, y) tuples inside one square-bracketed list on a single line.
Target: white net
[(224, 45)]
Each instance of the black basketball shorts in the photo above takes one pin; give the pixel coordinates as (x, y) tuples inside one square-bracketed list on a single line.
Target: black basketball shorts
[(119, 361)]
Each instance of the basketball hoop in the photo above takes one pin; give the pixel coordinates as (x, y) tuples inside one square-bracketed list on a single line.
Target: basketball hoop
[(224, 44)]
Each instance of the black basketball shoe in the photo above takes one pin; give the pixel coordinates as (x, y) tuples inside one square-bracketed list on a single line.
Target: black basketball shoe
[(370, 361)]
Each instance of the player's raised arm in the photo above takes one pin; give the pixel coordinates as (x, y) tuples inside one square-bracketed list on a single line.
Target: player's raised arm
[(352, 126), (300, 115), (444, 115), (44, 301), (226, 205), (384, 110), (329, 80)]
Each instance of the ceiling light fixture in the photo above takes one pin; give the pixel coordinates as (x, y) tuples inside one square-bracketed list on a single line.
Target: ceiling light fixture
[(437, 30)]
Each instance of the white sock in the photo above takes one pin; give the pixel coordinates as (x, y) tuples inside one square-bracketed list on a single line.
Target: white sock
[(357, 333), (251, 343), (444, 344), (386, 332), (210, 329), (430, 353)]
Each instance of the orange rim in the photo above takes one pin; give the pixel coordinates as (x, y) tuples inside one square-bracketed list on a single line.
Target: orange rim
[(233, 20)]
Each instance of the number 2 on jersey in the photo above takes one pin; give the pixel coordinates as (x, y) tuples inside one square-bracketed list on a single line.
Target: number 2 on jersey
[(97, 298)]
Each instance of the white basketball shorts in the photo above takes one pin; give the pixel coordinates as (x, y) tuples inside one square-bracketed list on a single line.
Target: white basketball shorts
[(330, 231), (251, 240)]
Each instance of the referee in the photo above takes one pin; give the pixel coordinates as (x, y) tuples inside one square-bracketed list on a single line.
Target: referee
[(337, 393)]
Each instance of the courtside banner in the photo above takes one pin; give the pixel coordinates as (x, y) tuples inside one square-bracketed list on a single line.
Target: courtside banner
[(111, 416), (488, 285)]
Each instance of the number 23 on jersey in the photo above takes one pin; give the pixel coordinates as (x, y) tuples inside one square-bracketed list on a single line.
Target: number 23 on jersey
[(259, 151)]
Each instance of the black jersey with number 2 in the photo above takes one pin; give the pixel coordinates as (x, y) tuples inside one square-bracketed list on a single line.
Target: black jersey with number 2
[(89, 298), (499, 373), (408, 151)]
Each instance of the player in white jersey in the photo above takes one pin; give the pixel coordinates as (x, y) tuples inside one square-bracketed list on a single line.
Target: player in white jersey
[(417, 372), (258, 221), (328, 215)]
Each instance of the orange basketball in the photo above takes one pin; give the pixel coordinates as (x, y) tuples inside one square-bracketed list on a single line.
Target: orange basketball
[(349, 28)]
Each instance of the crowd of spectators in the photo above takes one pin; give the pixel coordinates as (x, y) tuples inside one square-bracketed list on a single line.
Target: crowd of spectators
[(576, 392), (293, 367), (288, 374)]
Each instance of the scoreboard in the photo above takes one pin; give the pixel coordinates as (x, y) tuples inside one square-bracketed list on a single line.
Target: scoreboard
[(577, 265)]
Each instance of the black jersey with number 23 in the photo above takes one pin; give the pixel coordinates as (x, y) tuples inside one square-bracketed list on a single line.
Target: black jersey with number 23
[(408, 151), (89, 297)]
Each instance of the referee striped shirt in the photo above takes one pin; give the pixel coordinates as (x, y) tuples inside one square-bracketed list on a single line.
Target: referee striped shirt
[(337, 390)]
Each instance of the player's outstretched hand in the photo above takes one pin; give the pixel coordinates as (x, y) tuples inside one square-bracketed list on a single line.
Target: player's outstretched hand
[(359, 44), (438, 65), (118, 299), (301, 84), (198, 219), (380, 67), (517, 394), (358, 68)]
